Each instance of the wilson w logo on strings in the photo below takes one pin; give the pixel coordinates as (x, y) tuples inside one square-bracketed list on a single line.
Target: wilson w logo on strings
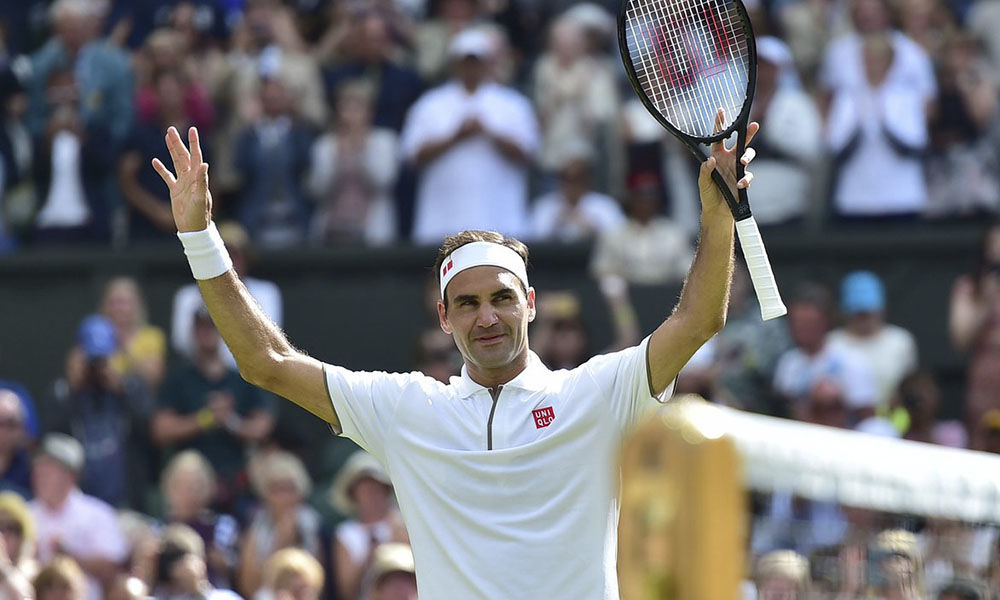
[(686, 49)]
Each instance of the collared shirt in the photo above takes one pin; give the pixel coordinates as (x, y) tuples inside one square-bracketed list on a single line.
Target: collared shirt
[(84, 526), (506, 497)]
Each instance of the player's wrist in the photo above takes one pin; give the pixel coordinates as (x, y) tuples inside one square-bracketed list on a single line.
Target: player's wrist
[(206, 252)]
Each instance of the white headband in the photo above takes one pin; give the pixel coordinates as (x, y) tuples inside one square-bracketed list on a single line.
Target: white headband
[(478, 254)]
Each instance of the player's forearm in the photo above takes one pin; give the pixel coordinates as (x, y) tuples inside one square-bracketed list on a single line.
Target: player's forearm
[(254, 340), (705, 298)]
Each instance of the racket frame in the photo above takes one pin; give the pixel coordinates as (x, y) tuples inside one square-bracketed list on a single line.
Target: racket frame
[(740, 206)]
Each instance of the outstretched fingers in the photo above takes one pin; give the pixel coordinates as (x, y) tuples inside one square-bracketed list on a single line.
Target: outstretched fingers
[(195, 144), (179, 154), (164, 173)]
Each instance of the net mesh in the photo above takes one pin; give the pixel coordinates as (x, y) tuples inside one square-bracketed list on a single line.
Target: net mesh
[(690, 58)]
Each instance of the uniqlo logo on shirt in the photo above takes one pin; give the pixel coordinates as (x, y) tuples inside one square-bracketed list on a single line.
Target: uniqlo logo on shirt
[(543, 416)]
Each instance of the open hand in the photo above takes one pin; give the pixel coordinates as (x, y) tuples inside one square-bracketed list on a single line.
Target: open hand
[(724, 160), (190, 200)]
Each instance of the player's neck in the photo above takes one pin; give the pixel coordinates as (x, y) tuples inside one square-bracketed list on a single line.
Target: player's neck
[(493, 378)]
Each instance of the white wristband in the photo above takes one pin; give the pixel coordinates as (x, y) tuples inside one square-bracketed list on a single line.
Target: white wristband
[(205, 252)]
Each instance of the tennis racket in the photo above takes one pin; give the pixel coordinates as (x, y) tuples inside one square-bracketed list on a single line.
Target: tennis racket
[(686, 59)]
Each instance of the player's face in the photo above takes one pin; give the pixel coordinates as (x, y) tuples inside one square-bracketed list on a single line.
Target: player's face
[(488, 315)]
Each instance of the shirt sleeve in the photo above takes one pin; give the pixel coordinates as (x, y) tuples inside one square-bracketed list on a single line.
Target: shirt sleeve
[(365, 404), (624, 378)]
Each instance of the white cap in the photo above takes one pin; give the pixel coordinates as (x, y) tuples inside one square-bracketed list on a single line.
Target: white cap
[(481, 254), (471, 42)]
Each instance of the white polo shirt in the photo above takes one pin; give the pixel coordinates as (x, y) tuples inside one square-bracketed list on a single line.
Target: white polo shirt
[(521, 505)]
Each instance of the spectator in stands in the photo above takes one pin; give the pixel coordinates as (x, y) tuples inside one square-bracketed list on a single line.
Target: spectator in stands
[(648, 249), (181, 569), (915, 410), (964, 155), (881, 84), (188, 487), (472, 140), (103, 71), (352, 170), (205, 405), (987, 432), (576, 95), (108, 414), (166, 51), (436, 355), (983, 21), (291, 574), (574, 211), (370, 46), (741, 360), (974, 327), (434, 36), (889, 350), (808, 27), (265, 45), (71, 167), (271, 156), (963, 589), (15, 467), (31, 425), (140, 347), (393, 572), (363, 491), (559, 335), (782, 575), (70, 522), (62, 579), (898, 567), (284, 520), (18, 566), (150, 219), (97, 110), (188, 300), (814, 358), (789, 147), (17, 190)]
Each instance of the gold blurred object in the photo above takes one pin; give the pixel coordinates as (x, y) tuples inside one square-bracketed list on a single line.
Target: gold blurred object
[(683, 524)]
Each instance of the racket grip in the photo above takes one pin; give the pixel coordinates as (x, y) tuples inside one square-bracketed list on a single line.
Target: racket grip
[(771, 305)]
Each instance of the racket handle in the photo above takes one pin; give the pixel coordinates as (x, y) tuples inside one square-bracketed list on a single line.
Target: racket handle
[(771, 305)]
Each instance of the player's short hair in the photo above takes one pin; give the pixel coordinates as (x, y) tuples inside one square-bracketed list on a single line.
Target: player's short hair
[(454, 242)]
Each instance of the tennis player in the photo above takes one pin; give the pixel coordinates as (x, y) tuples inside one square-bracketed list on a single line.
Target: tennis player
[(506, 477)]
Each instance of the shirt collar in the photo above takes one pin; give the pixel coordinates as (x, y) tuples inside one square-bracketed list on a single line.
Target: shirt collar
[(532, 379)]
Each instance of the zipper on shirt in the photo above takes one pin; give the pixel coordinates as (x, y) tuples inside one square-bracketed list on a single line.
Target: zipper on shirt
[(489, 424)]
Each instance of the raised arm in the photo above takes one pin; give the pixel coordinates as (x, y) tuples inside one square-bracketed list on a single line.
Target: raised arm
[(701, 311), (262, 352)]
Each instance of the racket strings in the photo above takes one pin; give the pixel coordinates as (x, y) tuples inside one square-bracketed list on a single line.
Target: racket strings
[(691, 58)]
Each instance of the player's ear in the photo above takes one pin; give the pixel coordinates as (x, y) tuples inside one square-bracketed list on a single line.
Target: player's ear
[(531, 304), (443, 318)]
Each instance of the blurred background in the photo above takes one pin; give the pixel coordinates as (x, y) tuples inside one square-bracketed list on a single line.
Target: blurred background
[(346, 139)]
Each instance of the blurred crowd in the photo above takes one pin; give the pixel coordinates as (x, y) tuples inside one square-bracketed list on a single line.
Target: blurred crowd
[(372, 122), (382, 121)]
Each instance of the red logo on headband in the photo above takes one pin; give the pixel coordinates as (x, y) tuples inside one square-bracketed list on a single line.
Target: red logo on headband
[(447, 268)]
